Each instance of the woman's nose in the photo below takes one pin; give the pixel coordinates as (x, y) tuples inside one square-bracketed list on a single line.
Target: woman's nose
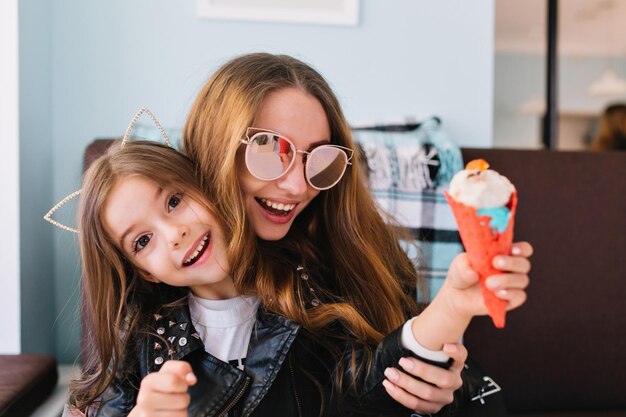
[(294, 181)]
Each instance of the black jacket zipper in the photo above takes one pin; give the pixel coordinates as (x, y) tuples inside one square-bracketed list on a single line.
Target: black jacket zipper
[(293, 384), (230, 405)]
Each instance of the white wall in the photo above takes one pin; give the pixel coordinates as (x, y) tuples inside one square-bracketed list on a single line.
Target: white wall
[(9, 172)]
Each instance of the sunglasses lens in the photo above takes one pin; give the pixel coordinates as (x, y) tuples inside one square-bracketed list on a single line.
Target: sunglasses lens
[(268, 156), (325, 166)]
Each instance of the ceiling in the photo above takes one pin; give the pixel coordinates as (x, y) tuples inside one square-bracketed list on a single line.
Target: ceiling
[(586, 27)]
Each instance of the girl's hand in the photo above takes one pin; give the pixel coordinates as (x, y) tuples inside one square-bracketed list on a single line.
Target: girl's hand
[(164, 393), (463, 289), (425, 388)]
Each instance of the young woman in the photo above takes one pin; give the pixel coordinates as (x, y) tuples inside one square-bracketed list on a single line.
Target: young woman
[(305, 236)]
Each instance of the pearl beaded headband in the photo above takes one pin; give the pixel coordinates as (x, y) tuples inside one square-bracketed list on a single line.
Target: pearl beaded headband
[(129, 129)]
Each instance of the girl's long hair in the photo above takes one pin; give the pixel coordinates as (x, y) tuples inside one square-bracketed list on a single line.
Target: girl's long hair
[(612, 134), (115, 299), (366, 280)]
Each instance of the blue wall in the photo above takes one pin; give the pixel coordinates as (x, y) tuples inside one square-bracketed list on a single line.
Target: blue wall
[(98, 62), (38, 309)]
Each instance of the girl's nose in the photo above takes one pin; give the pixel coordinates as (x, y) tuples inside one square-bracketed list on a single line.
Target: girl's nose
[(176, 234)]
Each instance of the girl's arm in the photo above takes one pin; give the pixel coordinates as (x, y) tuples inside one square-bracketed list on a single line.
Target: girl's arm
[(116, 401), (165, 392), (162, 393)]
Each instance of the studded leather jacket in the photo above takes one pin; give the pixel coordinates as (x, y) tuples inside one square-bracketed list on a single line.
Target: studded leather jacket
[(286, 373)]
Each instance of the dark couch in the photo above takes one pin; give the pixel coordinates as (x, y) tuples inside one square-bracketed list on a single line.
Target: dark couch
[(26, 380), (564, 352)]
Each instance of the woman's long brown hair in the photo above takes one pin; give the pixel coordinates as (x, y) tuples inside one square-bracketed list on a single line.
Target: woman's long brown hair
[(366, 278), (115, 299)]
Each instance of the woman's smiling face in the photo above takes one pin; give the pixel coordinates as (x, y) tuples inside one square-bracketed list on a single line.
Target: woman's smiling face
[(272, 206), (169, 236)]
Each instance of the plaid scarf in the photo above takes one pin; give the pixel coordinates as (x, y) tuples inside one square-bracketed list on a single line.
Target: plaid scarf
[(408, 171)]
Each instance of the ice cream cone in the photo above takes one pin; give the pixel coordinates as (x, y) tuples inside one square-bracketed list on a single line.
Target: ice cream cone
[(482, 243)]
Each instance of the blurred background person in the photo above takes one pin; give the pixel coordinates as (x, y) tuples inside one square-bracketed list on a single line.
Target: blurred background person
[(612, 132)]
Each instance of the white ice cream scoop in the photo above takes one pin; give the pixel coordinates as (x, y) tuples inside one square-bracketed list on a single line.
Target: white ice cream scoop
[(480, 187)]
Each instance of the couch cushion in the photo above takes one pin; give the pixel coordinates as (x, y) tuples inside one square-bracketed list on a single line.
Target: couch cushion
[(564, 349), (25, 382)]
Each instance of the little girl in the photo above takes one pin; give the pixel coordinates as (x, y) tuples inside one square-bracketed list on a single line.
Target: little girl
[(171, 336)]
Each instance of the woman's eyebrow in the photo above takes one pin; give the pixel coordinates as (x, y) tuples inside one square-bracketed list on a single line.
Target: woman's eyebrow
[(318, 143)]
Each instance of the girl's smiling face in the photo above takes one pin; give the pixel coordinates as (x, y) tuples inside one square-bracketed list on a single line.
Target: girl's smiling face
[(272, 206), (169, 236)]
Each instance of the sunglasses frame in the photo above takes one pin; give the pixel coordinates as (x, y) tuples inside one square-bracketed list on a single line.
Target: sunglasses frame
[(348, 153)]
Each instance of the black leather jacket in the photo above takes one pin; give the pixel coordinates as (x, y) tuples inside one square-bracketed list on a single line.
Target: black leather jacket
[(286, 373)]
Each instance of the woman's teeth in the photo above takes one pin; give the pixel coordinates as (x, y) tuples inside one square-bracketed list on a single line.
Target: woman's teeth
[(197, 251), (278, 206)]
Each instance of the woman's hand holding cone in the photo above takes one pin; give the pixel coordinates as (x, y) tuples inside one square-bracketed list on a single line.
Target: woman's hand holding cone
[(461, 297), (462, 289)]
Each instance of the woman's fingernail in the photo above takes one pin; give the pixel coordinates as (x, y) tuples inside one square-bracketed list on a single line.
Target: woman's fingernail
[(502, 293), (388, 385), (406, 364), (516, 250), (392, 374), (492, 283), (500, 262)]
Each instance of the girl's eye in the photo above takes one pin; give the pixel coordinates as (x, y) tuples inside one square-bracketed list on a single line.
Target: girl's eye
[(174, 201), (142, 242)]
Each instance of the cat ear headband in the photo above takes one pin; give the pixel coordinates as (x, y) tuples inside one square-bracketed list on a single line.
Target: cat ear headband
[(126, 138)]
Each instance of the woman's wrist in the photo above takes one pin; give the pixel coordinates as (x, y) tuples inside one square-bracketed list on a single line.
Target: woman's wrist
[(409, 342), (439, 323), (452, 303)]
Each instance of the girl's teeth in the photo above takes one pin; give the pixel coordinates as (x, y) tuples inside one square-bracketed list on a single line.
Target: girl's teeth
[(198, 249)]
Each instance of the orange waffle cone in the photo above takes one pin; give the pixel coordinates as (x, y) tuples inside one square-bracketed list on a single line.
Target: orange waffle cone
[(482, 244)]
